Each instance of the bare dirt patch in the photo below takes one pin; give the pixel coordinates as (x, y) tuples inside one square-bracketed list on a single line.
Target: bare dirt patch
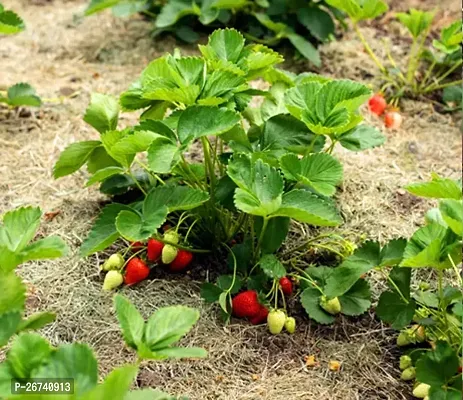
[(62, 54)]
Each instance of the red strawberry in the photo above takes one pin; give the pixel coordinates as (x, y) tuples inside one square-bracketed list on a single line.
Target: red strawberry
[(393, 120), (286, 286), (154, 249), (182, 260), (246, 304), (377, 104), (460, 369), (261, 317), (136, 271)]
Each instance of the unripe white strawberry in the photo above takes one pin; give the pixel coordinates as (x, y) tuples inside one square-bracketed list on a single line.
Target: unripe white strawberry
[(169, 253), (421, 390), (332, 306), (405, 362), (276, 321), (171, 237), (290, 325), (408, 374), (112, 280), (114, 262)]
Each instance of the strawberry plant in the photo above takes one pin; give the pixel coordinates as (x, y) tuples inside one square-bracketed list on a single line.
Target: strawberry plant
[(428, 69), (436, 312), (260, 166), (153, 339), (20, 94), (268, 22)]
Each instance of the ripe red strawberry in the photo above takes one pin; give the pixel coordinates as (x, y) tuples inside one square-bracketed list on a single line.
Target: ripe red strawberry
[(377, 104), (136, 271), (286, 286), (460, 369), (261, 317), (393, 120), (154, 249), (246, 304), (182, 260)]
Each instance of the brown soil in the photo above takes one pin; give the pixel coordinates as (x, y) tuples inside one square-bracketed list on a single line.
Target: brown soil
[(62, 54)]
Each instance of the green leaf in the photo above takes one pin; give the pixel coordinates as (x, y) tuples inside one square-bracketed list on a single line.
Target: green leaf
[(5, 380), (74, 157), (306, 48), (163, 155), (394, 310), (103, 174), (322, 172), (182, 352), (102, 113), (36, 321), (172, 11), (198, 121), (111, 140), (262, 194), (452, 213), (100, 5), (359, 10), (28, 352), (134, 227), (75, 361), (284, 132), (47, 248), (392, 252), (306, 207), (116, 385), (400, 278), (175, 198), (347, 274), (104, 231), (445, 393), (100, 159), (438, 366), (437, 188), (148, 394), (9, 323), (19, 227), (357, 299), (224, 282), (361, 138), (317, 21), (137, 142), (225, 44), (243, 255), (424, 247), (130, 321), (10, 22), (272, 267), (274, 235), (224, 302), (210, 292), (310, 300), (453, 94), (168, 325), (416, 21), (22, 94), (12, 293)]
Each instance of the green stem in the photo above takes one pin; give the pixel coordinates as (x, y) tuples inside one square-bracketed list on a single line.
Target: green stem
[(146, 168), (189, 229), (210, 165), (137, 183), (179, 246), (411, 62), (307, 278), (391, 281), (283, 297), (428, 74), (457, 271), (234, 268), (261, 237), (443, 86), (368, 49)]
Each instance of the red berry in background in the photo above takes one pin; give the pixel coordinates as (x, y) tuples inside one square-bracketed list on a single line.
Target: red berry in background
[(182, 260), (154, 249), (377, 104), (393, 120), (137, 245), (136, 271), (246, 304), (286, 286), (460, 369), (261, 317)]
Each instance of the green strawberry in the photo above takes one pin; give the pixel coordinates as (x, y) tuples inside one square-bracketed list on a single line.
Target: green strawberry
[(332, 306), (114, 262), (421, 390), (408, 374), (276, 321), (405, 362), (169, 253), (404, 339), (290, 325), (112, 280), (171, 237)]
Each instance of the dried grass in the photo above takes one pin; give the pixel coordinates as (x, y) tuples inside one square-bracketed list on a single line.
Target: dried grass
[(61, 53)]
